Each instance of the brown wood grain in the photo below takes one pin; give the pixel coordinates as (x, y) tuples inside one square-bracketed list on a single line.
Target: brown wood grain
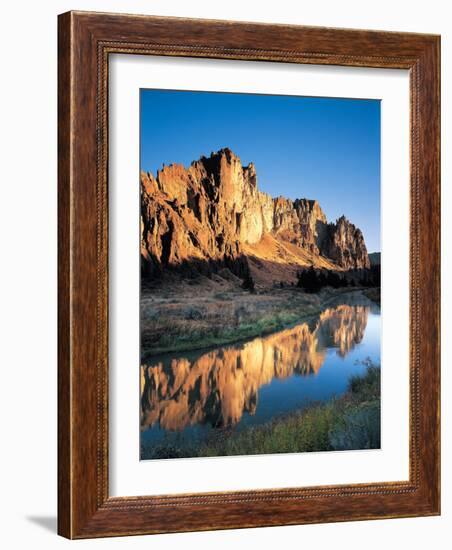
[(85, 508), (64, 296)]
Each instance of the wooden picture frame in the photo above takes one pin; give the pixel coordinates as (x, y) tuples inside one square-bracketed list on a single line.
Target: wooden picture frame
[(85, 42)]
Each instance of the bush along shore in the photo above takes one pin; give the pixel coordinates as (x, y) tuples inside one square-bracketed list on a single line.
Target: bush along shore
[(348, 422)]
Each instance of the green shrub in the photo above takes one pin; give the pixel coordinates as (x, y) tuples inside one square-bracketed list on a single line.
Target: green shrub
[(192, 314), (149, 314), (367, 386), (359, 429)]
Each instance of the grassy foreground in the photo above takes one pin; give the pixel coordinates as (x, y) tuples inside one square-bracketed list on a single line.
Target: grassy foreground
[(349, 422)]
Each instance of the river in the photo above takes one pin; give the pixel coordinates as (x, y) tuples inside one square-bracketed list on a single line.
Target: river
[(185, 397)]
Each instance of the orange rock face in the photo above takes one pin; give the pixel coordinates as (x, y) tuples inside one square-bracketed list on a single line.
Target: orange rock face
[(212, 211)]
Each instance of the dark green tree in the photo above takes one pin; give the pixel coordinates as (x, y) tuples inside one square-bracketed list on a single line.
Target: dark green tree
[(248, 282), (309, 280), (333, 280)]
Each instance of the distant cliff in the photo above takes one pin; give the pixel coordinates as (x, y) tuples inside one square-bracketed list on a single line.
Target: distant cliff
[(213, 213)]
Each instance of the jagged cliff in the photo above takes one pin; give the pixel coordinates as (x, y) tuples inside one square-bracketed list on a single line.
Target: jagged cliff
[(213, 213)]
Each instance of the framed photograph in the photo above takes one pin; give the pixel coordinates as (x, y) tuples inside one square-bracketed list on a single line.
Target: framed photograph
[(248, 275)]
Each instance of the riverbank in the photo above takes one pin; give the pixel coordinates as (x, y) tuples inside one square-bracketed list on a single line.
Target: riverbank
[(348, 422), (373, 294), (201, 316)]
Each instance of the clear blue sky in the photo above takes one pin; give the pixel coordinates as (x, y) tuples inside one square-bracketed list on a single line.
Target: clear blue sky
[(303, 147)]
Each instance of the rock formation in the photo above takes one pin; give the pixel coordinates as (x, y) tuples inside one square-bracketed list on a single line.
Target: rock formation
[(213, 213), (344, 244)]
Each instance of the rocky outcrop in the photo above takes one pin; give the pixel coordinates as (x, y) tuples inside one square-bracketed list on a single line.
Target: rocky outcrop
[(344, 244), (208, 212)]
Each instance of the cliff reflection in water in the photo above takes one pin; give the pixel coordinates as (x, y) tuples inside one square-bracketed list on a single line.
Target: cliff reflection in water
[(216, 387)]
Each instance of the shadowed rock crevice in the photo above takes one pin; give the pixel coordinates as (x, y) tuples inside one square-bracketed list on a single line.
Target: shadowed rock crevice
[(166, 244)]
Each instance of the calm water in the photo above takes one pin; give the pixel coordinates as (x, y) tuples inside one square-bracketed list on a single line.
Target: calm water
[(186, 396)]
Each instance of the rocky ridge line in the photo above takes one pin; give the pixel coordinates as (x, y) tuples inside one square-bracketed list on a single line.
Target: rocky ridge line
[(210, 211)]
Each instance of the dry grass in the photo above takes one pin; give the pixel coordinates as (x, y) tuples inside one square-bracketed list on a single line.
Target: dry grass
[(190, 317)]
